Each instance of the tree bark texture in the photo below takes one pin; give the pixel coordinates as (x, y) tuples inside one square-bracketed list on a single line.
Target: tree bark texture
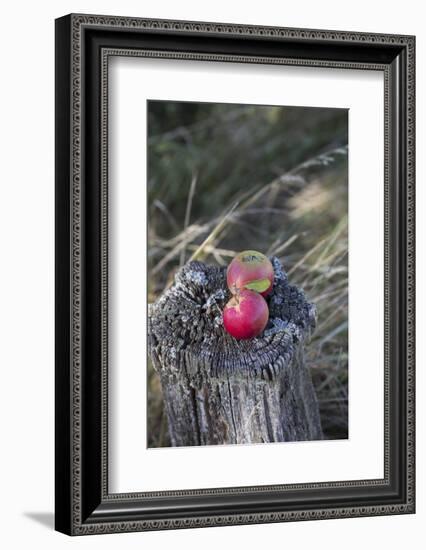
[(219, 390)]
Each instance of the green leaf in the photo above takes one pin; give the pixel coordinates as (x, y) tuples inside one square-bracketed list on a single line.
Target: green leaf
[(258, 286)]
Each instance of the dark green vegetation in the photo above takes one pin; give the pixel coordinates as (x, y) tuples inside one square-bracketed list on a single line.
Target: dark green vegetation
[(225, 178)]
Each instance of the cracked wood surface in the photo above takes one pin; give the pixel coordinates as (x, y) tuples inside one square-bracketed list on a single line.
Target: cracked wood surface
[(218, 390)]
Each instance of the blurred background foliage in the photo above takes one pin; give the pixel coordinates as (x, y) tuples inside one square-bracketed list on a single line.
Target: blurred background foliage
[(224, 178)]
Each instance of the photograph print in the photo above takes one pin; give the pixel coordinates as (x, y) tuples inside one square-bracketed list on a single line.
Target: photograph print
[(247, 209)]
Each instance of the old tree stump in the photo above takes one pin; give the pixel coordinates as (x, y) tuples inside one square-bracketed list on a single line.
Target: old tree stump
[(218, 390)]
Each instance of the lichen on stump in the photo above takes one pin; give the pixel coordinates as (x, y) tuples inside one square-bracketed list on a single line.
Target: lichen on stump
[(219, 390)]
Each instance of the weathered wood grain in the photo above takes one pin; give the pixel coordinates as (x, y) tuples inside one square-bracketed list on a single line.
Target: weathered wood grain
[(218, 390)]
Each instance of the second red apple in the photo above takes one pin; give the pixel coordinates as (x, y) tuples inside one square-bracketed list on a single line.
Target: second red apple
[(250, 270)]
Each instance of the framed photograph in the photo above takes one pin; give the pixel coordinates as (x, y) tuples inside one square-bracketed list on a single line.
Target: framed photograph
[(234, 274)]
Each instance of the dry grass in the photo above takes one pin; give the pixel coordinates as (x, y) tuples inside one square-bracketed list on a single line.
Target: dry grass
[(299, 215)]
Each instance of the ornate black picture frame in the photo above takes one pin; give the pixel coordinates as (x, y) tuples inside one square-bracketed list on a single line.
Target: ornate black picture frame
[(84, 44)]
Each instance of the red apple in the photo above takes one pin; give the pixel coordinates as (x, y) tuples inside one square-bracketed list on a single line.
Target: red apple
[(245, 315), (251, 270)]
